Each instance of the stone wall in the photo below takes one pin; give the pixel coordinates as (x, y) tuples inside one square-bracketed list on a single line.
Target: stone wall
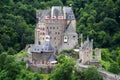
[(41, 68)]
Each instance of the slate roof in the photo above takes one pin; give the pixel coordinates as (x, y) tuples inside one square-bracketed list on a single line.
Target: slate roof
[(42, 48), (69, 13), (87, 43), (55, 11), (70, 29), (51, 58)]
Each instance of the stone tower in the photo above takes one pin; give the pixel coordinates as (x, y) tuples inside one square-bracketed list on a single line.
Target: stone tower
[(85, 53), (40, 32)]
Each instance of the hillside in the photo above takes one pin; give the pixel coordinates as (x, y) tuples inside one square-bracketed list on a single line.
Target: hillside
[(100, 19)]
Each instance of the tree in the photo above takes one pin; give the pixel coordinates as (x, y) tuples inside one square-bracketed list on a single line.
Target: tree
[(118, 59), (55, 3), (11, 51), (1, 48), (64, 69), (114, 68), (91, 74), (106, 55), (14, 70)]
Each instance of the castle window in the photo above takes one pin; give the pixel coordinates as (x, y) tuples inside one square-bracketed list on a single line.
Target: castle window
[(73, 36), (43, 33), (55, 32), (47, 27), (50, 27), (54, 38), (43, 38), (65, 39), (57, 27), (53, 27), (58, 32)]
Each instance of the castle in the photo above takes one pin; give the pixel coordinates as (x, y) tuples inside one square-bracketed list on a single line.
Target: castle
[(56, 31)]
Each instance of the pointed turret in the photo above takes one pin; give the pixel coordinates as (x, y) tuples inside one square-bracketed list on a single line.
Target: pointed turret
[(88, 39)]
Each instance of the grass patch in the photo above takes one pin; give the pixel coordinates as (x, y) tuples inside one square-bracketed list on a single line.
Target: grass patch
[(20, 54)]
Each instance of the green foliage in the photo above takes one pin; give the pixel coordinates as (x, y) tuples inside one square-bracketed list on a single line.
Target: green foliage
[(8, 66), (11, 51), (1, 48), (118, 59), (21, 54), (105, 65), (91, 74), (64, 69), (114, 68), (14, 70), (99, 23), (16, 25), (105, 55), (111, 60), (70, 53)]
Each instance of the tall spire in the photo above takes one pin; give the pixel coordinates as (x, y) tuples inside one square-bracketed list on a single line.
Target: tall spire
[(87, 38), (91, 43)]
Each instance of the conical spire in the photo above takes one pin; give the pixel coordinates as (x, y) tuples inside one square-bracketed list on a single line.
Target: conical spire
[(87, 38)]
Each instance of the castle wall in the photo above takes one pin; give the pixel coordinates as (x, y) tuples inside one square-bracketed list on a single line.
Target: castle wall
[(40, 58), (72, 41), (86, 52), (56, 29)]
